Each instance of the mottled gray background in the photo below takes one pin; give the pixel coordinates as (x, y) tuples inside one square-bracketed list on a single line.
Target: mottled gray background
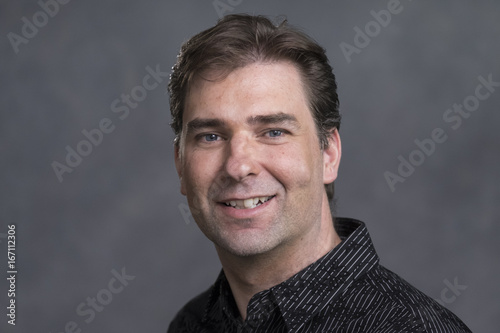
[(121, 207)]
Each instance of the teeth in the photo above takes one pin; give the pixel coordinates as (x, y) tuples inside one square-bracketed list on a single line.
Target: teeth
[(248, 203)]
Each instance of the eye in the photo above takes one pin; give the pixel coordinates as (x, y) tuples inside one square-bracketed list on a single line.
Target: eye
[(275, 133), (210, 137)]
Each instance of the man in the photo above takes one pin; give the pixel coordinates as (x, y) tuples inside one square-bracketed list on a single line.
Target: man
[(257, 149)]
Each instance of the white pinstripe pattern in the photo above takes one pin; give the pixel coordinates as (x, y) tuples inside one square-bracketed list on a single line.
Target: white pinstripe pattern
[(345, 291)]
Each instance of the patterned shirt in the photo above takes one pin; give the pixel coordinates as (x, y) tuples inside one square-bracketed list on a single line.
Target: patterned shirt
[(347, 290)]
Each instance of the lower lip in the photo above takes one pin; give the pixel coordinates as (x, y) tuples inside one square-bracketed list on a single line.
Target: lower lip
[(245, 213)]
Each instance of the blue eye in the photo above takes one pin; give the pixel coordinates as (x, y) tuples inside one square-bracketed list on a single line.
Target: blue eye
[(211, 137), (275, 133)]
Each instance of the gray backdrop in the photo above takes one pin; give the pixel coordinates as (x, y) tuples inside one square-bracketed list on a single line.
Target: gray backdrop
[(118, 211)]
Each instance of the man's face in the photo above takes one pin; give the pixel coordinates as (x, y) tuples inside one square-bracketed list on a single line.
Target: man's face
[(250, 161)]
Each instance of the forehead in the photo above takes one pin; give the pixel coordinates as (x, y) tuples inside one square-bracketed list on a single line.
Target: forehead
[(255, 88)]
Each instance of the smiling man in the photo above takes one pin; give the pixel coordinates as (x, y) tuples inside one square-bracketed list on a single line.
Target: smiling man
[(257, 149)]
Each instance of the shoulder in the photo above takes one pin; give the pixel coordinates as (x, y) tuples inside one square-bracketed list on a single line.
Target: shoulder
[(189, 318), (397, 306)]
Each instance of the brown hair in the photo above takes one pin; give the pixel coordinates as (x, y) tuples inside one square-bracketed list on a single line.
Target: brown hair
[(239, 40)]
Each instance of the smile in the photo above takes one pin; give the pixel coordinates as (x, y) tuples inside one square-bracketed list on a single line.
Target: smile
[(248, 203)]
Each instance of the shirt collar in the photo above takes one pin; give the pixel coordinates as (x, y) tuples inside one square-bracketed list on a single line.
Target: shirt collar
[(329, 276), (320, 282)]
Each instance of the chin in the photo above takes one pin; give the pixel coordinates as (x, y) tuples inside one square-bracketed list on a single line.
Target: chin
[(246, 246)]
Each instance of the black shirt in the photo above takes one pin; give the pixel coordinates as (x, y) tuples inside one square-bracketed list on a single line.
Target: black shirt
[(347, 290)]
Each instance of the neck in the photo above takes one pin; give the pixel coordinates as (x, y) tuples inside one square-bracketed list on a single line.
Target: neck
[(248, 276)]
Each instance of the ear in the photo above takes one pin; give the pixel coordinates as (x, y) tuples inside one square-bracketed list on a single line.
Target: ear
[(331, 157), (179, 167)]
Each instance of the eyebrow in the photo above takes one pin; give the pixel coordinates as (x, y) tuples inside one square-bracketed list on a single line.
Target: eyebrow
[(270, 119), (200, 123), (274, 119)]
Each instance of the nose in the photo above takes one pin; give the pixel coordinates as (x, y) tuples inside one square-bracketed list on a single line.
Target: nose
[(241, 158)]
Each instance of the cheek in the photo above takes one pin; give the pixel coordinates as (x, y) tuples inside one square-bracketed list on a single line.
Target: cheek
[(199, 172), (196, 186), (195, 180), (295, 166)]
